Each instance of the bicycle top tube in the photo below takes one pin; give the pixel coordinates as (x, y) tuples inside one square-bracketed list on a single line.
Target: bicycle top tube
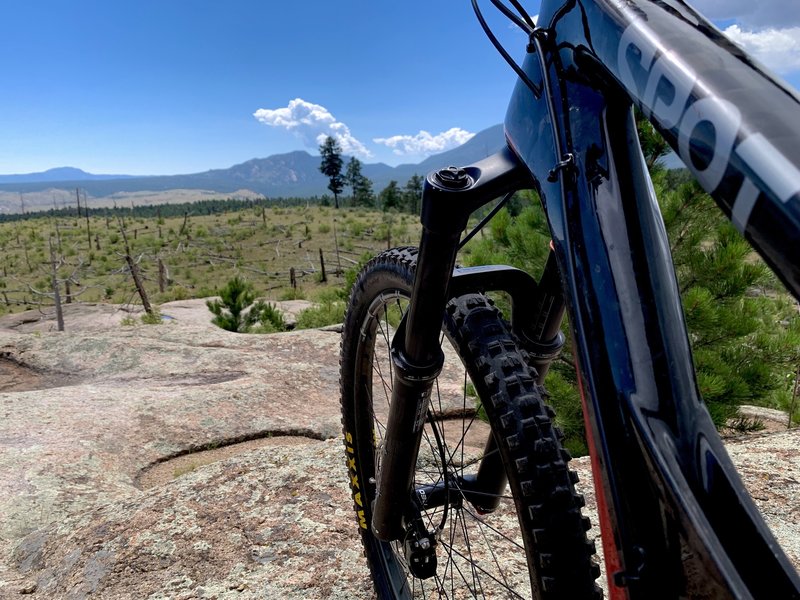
[(735, 126)]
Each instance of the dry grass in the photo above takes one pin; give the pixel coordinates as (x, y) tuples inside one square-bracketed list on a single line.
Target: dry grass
[(199, 257)]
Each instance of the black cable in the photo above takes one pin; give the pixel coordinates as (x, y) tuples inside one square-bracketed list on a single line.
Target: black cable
[(523, 13), (486, 219), (536, 90), (513, 17)]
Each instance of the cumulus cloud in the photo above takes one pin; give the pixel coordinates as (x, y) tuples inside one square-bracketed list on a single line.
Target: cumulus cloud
[(752, 14), (778, 49), (769, 30), (312, 123), (424, 143)]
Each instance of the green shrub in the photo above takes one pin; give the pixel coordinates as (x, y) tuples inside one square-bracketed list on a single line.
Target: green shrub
[(350, 276), (292, 294), (328, 313), (265, 328), (177, 292), (153, 318), (229, 310), (357, 229), (270, 318), (202, 292)]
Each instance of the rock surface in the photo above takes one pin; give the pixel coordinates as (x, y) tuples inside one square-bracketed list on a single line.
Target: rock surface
[(93, 504)]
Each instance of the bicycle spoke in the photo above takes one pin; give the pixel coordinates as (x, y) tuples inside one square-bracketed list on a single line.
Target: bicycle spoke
[(478, 556), (488, 575)]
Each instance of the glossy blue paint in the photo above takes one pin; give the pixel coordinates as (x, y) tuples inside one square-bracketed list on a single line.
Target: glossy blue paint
[(667, 478)]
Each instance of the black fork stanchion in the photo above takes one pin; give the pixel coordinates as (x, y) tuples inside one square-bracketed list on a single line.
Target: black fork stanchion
[(449, 197), (416, 366)]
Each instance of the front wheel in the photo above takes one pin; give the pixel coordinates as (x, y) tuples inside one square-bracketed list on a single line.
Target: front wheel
[(534, 544)]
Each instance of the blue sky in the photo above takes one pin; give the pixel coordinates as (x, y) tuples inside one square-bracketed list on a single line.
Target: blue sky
[(169, 86)]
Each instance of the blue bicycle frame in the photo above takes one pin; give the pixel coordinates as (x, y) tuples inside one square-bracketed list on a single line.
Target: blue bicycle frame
[(675, 517)]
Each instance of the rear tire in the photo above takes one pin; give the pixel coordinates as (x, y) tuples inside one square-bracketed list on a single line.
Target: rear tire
[(534, 545)]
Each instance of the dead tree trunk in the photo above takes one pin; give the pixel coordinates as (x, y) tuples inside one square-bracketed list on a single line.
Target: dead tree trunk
[(134, 269), (323, 278), (67, 292), (162, 276), (336, 244), (292, 278), (183, 230), (137, 281), (58, 240), (56, 294), (27, 258), (88, 227)]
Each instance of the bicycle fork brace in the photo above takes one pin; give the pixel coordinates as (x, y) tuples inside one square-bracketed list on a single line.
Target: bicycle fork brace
[(449, 197)]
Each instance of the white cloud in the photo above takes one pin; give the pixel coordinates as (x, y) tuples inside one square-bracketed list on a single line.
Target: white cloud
[(424, 143), (778, 49), (752, 13), (312, 123)]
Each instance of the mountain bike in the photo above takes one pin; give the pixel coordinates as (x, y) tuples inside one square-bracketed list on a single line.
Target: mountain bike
[(460, 482)]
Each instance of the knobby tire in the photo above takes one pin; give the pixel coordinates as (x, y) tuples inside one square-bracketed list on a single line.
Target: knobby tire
[(534, 545)]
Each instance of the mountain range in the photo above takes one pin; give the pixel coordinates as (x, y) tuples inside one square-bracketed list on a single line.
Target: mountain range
[(292, 174), (56, 175)]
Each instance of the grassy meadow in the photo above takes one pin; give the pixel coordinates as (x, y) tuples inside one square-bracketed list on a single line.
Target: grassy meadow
[(199, 253)]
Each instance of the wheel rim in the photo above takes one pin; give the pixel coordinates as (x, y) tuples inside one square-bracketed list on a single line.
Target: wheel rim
[(478, 556)]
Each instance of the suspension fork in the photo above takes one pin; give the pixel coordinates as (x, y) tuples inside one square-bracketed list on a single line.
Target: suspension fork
[(449, 196)]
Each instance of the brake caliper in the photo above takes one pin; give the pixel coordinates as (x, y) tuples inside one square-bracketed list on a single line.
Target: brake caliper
[(419, 547)]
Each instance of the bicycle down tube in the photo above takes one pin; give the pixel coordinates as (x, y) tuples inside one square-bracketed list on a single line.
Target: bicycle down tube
[(676, 520)]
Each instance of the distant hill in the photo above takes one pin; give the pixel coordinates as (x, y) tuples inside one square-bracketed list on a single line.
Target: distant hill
[(58, 174), (292, 174)]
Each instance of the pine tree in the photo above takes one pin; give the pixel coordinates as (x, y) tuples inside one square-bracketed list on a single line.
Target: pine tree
[(331, 166), (745, 336), (413, 194), (235, 310), (363, 194), (353, 176), (361, 186), (744, 331), (390, 197)]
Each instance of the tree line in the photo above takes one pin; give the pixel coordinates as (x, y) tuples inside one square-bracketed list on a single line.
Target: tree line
[(340, 176), (215, 206)]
